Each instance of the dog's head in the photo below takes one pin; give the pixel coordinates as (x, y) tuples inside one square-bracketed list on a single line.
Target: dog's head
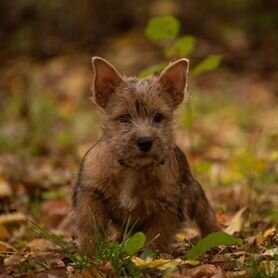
[(138, 114)]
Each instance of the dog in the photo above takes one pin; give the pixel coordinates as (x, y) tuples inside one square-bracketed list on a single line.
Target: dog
[(136, 172)]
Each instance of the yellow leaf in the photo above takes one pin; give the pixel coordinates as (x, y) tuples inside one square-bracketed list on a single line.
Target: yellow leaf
[(261, 239), (4, 233), (191, 262), (236, 223), (269, 233), (163, 264), (140, 263)]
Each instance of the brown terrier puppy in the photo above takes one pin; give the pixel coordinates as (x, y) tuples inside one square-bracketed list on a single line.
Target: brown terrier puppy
[(135, 171)]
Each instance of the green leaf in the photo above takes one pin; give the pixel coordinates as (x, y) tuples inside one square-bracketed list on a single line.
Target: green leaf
[(203, 167), (209, 64), (211, 241), (148, 253), (132, 269), (53, 195), (182, 48), (162, 28), (134, 244)]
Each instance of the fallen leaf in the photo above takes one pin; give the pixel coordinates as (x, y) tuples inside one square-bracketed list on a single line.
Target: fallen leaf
[(42, 245), (191, 262), (108, 269), (220, 217), (5, 247), (12, 218), (236, 223), (271, 252), (269, 266), (206, 270), (261, 239), (4, 233), (12, 260), (140, 263), (269, 233), (5, 189), (55, 211), (211, 241), (161, 264), (240, 274)]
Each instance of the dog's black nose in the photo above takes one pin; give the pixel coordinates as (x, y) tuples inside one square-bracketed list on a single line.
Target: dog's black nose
[(144, 144)]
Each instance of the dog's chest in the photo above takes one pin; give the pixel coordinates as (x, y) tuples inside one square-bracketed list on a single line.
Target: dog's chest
[(127, 199), (139, 191)]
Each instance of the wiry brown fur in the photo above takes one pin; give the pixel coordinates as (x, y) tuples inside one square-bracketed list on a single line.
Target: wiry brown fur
[(118, 182)]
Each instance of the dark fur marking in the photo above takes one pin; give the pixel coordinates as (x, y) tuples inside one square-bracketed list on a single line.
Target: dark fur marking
[(140, 109), (99, 195), (137, 106), (164, 201), (180, 211), (184, 169), (79, 182)]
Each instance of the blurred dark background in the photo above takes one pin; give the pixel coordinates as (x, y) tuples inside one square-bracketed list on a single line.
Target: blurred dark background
[(243, 30)]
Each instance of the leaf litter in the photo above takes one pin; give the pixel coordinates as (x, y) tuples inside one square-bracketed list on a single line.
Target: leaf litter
[(232, 149)]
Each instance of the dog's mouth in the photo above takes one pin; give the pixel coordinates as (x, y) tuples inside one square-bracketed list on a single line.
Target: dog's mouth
[(142, 161)]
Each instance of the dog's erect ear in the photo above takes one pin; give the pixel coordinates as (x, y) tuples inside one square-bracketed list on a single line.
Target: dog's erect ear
[(174, 80), (106, 80)]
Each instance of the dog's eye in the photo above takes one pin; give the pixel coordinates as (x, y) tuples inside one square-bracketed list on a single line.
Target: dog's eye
[(158, 118), (125, 118)]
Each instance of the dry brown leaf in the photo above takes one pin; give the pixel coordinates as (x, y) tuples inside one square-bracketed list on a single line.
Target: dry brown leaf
[(4, 233), (12, 218), (55, 263), (55, 211), (261, 239), (220, 217), (161, 264), (271, 252), (235, 224), (90, 273), (42, 245), (5, 188), (240, 274), (6, 247), (219, 273), (108, 269), (13, 260), (206, 270)]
